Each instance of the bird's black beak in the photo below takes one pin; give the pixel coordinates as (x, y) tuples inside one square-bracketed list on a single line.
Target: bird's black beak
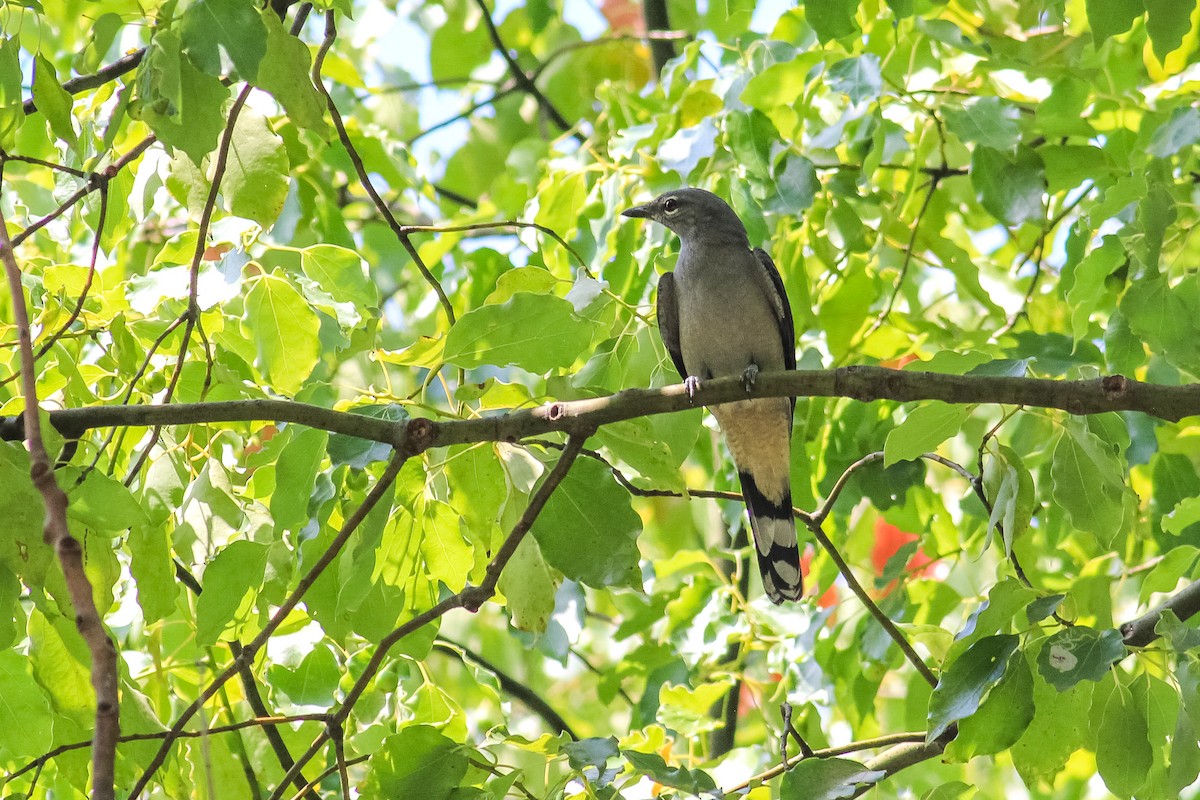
[(642, 212)]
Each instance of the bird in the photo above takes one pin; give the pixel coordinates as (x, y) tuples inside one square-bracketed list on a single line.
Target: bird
[(723, 312)]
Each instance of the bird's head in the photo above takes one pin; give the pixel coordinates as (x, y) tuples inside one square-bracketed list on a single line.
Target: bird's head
[(693, 214)]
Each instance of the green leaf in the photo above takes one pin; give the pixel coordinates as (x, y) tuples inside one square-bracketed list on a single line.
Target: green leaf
[(593, 752), (750, 135), (26, 721), (106, 504), (859, 78), (256, 175), (295, 476), (782, 83), (313, 682), (284, 330), (1181, 636), (154, 572), (688, 709), (1010, 189), (692, 781), (832, 19), (1123, 752), (797, 184), (1177, 134), (1079, 654), (183, 106), (1185, 513), (1043, 607), (1159, 315), (358, 453), (529, 585), (416, 762), (231, 583), (962, 685), (341, 272), (826, 779), (211, 29), (1009, 484), (537, 332), (448, 556), (588, 530), (986, 121), (284, 72), (1059, 728), (52, 100), (1108, 18), (1089, 288), (925, 427), (1088, 481), (1167, 22), (953, 790), (1002, 717)]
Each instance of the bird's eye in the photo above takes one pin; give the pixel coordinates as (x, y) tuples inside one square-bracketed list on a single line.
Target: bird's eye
[(670, 205)]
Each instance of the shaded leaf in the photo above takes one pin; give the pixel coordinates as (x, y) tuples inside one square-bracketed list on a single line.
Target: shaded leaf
[(1079, 654), (962, 685)]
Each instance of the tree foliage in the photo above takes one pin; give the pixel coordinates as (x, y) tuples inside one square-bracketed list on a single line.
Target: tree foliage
[(327, 300)]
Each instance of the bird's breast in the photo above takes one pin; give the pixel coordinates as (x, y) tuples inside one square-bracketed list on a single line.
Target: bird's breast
[(725, 322)]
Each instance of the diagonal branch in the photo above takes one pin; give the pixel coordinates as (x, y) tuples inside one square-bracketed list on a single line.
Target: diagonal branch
[(380, 204), (249, 651), (524, 82), (470, 598), (509, 684)]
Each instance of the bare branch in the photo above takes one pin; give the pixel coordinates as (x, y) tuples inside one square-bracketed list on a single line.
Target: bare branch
[(532, 700), (1184, 603), (1095, 396), (841, 750), (524, 82), (364, 179)]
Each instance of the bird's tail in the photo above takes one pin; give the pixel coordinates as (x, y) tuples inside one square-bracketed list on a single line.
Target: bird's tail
[(774, 541)]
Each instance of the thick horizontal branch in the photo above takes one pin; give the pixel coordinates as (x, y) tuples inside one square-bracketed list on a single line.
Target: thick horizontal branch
[(1110, 393), (1140, 632)]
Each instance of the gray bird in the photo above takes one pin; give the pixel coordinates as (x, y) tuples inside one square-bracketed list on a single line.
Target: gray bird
[(723, 312)]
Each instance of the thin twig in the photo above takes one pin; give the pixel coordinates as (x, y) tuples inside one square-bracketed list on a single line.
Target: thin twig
[(361, 171), (524, 82), (191, 315), (852, 747)]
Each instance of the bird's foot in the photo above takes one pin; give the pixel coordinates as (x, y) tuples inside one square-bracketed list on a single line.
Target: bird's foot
[(692, 384), (749, 377)]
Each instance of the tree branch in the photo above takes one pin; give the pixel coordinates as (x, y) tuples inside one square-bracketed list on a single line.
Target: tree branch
[(524, 82), (841, 750), (865, 384), (654, 12), (70, 555), (1185, 603), (532, 700)]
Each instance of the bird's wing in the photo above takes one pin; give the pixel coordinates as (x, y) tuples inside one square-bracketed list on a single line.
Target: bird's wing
[(668, 321), (780, 305)]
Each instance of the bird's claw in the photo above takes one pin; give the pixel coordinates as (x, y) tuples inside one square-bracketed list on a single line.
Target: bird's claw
[(749, 377), (692, 384)]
